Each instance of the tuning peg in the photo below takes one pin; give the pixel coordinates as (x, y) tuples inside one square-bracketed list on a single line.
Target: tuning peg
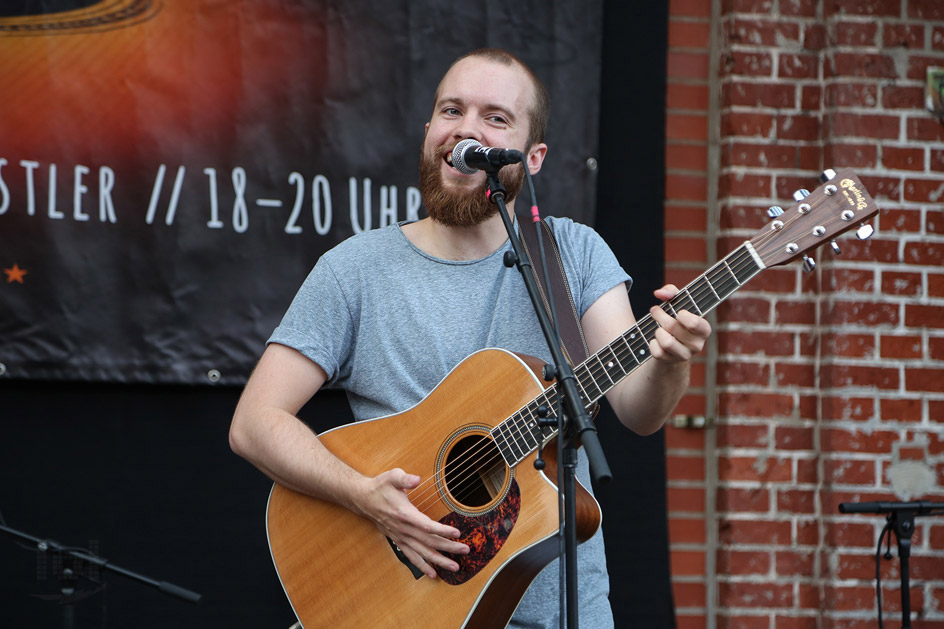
[(835, 247), (808, 264), (864, 232), (801, 194), (827, 174), (774, 211)]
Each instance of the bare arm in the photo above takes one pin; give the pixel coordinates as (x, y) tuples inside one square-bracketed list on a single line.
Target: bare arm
[(644, 400), (266, 432)]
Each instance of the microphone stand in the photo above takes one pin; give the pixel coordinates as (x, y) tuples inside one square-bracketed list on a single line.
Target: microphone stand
[(577, 427), (68, 576), (901, 521)]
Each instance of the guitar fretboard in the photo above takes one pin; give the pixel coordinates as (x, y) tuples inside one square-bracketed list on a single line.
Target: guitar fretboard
[(519, 435)]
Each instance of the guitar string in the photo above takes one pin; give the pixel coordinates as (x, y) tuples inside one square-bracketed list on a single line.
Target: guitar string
[(486, 451), (696, 291)]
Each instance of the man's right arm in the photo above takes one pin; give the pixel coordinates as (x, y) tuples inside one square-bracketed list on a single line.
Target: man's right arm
[(266, 432)]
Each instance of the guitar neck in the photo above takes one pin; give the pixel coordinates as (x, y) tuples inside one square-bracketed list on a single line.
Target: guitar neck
[(519, 435)]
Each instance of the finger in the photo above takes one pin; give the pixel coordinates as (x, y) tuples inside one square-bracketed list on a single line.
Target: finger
[(666, 292)]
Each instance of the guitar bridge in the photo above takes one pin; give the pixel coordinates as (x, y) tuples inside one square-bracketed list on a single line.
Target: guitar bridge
[(417, 573)]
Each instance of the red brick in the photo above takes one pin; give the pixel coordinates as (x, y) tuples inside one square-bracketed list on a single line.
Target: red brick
[(686, 499), (935, 285), (794, 375), (686, 530), (746, 124), (931, 380), (851, 94), (871, 65), (743, 562), (848, 472), (767, 595), (862, 567), (793, 438), (777, 280), (689, 8), (687, 157), (687, 65), (741, 373), (924, 190), (688, 594), (796, 501), (936, 348), (850, 155), (901, 346), (798, 622), (849, 345), (761, 32), (814, 37), (838, 376), (766, 154), (685, 619), (686, 187), (755, 404), (736, 531), (798, 127), (739, 63), (848, 407), (758, 469), (744, 309), (876, 8), (925, 129), (737, 620), (894, 283), (856, 33), (843, 440), (684, 439), (687, 96), (685, 467), (686, 127), (795, 312), (930, 10), (742, 436), (860, 313), (902, 97), (935, 221), (798, 66), (851, 534), (687, 562), (743, 500), (899, 220), (799, 8), (902, 410), (843, 124), (794, 563), (937, 158), (903, 158), (689, 34), (756, 342), (811, 99), (904, 35), (741, 184), (921, 316), (918, 66), (937, 43)]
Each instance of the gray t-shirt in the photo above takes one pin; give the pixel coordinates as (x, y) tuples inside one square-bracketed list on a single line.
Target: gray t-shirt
[(387, 322)]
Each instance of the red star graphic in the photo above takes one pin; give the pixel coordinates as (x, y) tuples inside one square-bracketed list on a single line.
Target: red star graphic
[(15, 274)]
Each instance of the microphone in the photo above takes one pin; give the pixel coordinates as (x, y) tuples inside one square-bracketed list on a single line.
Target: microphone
[(470, 156)]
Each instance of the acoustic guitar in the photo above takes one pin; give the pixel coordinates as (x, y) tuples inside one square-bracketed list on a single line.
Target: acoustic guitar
[(474, 440)]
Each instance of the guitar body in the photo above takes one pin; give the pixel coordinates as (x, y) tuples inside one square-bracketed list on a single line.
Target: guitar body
[(338, 570)]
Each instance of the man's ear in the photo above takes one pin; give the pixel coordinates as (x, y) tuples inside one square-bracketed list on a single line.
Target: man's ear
[(535, 157), (425, 129)]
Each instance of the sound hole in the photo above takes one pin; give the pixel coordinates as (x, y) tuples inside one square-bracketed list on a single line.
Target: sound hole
[(475, 472)]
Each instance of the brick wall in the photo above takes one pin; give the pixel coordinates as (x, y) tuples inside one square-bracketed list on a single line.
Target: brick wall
[(824, 386)]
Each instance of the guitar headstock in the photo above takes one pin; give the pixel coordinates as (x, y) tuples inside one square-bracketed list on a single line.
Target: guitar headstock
[(840, 204)]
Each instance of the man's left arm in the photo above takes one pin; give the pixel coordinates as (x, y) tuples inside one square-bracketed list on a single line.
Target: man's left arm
[(644, 400)]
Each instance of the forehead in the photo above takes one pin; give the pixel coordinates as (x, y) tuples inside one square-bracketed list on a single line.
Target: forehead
[(477, 79)]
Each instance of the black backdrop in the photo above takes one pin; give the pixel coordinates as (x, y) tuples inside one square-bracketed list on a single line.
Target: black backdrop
[(142, 474)]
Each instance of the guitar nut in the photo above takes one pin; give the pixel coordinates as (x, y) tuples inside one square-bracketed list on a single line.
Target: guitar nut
[(804, 208), (793, 247), (819, 230)]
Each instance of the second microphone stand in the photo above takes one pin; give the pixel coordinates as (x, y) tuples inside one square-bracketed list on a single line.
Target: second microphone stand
[(575, 426)]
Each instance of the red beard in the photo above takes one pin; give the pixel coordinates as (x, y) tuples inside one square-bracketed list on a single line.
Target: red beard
[(455, 208)]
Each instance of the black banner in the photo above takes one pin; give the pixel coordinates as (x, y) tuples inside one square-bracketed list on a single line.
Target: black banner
[(170, 170)]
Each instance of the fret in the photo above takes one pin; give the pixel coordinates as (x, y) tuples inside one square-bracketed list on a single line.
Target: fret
[(586, 383), (526, 435), (603, 370), (685, 302), (519, 436), (499, 438), (705, 297), (513, 448), (637, 343), (748, 266)]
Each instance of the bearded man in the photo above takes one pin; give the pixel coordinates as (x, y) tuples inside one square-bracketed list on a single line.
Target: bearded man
[(387, 314)]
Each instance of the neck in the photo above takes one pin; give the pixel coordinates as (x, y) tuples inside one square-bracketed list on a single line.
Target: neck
[(459, 243)]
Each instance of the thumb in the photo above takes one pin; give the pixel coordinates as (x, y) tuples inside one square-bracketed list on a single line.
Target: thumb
[(403, 480)]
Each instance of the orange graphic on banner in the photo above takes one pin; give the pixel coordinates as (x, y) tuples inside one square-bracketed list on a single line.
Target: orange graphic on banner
[(15, 274)]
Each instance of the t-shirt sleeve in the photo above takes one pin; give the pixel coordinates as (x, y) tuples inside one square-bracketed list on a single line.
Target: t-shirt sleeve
[(319, 322), (592, 267)]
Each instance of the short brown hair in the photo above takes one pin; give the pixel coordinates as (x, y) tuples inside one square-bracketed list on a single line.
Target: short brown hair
[(540, 110)]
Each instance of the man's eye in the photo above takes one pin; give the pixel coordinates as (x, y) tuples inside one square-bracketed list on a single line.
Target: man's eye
[(451, 111)]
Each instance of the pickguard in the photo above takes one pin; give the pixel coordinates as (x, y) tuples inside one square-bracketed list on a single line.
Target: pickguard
[(485, 534)]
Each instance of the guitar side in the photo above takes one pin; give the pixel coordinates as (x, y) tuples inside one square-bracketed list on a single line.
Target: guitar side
[(337, 569)]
